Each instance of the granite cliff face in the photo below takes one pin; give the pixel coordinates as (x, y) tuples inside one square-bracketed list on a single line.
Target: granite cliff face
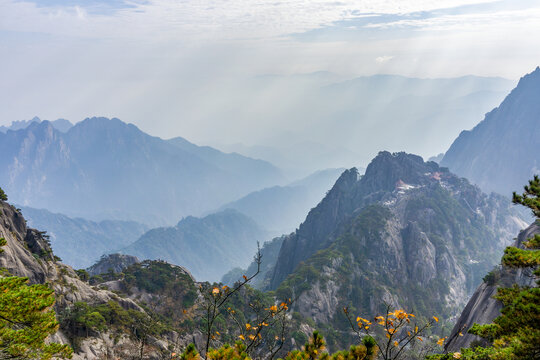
[(28, 254), (482, 308), (408, 233), (501, 153), (112, 263)]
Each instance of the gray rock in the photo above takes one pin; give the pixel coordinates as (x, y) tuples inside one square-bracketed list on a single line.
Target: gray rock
[(482, 308), (112, 263)]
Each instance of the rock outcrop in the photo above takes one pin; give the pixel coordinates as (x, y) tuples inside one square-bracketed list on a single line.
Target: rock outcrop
[(27, 253), (482, 308), (408, 233), (112, 263)]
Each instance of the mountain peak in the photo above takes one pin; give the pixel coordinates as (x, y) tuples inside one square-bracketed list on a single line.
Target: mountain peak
[(387, 169), (500, 153)]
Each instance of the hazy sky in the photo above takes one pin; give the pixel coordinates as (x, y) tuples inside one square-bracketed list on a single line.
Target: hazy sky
[(184, 68)]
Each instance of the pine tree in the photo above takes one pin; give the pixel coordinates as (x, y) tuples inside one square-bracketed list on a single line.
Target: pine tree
[(26, 320), (515, 334), (3, 195)]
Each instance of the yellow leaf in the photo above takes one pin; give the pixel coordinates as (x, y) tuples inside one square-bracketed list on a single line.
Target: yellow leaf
[(416, 329), (241, 337), (457, 355), (436, 318), (396, 343), (251, 337), (215, 291), (460, 333), (440, 341), (419, 338), (248, 326)]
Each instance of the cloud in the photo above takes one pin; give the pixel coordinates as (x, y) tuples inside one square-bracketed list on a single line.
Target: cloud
[(210, 19), (523, 18), (383, 59)]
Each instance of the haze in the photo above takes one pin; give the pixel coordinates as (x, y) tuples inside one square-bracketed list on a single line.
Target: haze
[(268, 78)]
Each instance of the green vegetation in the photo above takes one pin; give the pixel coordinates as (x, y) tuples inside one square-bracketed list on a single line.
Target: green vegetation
[(314, 349), (26, 320), (3, 242), (82, 320), (3, 195), (363, 273), (515, 335)]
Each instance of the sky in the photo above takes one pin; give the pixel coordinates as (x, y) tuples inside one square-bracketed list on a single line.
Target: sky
[(206, 70)]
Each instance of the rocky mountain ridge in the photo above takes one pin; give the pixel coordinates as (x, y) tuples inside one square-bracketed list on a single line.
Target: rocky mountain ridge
[(114, 263), (112, 168), (408, 233), (28, 254), (501, 152), (61, 125)]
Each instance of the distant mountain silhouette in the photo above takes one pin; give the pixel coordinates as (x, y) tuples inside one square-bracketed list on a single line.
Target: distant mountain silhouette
[(80, 242), (208, 246), (503, 151), (281, 208), (106, 169), (62, 125)]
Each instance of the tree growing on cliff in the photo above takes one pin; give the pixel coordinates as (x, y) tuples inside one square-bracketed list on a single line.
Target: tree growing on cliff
[(26, 320), (515, 335), (3, 195)]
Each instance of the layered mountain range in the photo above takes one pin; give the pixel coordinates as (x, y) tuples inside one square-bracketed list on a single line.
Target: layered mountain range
[(281, 208), (106, 169), (80, 242), (208, 246), (62, 125), (28, 254)]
